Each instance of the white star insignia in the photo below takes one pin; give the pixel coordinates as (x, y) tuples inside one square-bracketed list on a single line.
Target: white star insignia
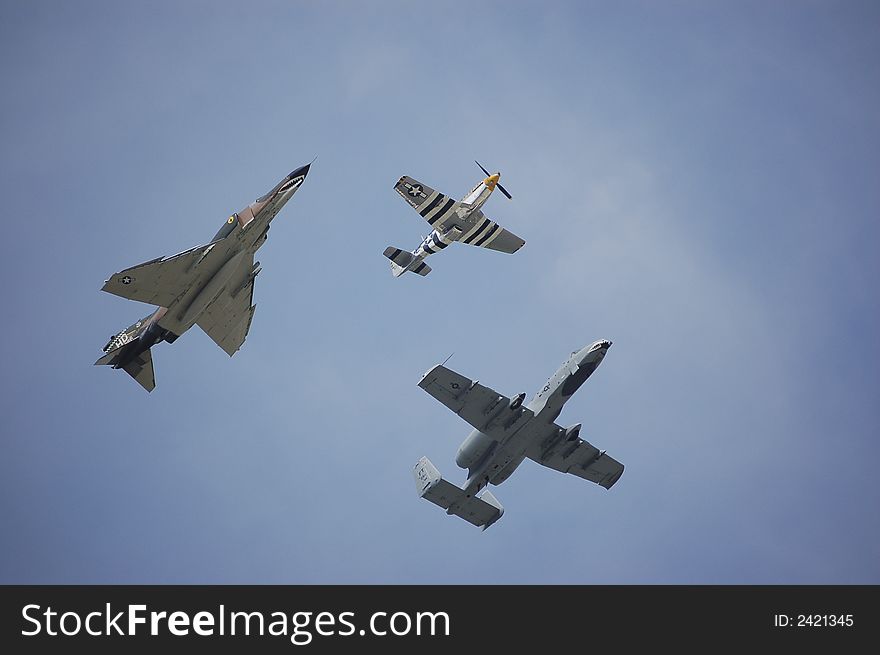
[(415, 190), (126, 280)]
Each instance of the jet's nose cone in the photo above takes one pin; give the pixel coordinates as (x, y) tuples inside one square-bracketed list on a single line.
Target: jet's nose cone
[(596, 346), (302, 170)]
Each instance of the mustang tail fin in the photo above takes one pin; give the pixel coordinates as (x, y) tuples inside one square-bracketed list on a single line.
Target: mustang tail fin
[(403, 261), (481, 511)]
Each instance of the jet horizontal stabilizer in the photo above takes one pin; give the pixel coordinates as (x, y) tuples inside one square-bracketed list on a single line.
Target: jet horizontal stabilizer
[(480, 511), (107, 360), (141, 369)]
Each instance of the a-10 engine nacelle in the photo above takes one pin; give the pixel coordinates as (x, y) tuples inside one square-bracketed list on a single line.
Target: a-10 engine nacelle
[(571, 434)]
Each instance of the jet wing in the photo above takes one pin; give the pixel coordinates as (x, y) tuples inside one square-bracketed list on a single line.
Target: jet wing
[(485, 409), (486, 233), (159, 281), (228, 319), (435, 207), (577, 457)]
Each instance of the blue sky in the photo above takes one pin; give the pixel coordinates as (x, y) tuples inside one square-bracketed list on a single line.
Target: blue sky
[(697, 182)]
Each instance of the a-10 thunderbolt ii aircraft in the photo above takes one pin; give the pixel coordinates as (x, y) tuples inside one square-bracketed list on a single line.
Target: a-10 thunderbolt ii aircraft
[(506, 432), (452, 221), (210, 285)]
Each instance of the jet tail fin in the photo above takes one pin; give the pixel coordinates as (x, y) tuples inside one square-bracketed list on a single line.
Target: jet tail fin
[(480, 511), (403, 261)]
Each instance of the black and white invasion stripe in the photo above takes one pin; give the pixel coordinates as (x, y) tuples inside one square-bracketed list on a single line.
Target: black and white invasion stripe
[(482, 233), (434, 242), (436, 209), (431, 203)]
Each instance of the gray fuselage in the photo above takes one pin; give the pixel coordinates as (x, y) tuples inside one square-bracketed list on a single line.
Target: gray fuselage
[(241, 236), (490, 461)]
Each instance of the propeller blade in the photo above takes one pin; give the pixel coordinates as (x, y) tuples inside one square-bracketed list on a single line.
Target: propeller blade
[(503, 190), (481, 166)]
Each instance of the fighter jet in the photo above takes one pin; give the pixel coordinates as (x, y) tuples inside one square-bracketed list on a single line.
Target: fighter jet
[(211, 286), (506, 432), (452, 221)]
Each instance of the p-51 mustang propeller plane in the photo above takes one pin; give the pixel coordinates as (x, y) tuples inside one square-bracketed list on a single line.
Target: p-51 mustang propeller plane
[(210, 285), (505, 432), (452, 221)]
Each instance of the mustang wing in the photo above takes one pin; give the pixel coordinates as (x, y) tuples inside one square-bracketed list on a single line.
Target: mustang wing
[(486, 233), (435, 207)]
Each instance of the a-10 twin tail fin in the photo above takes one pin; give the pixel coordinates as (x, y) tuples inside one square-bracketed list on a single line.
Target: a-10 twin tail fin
[(481, 511)]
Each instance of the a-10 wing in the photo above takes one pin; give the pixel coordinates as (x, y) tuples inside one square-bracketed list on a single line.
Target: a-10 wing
[(482, 407), (490, 412), (577, 457)]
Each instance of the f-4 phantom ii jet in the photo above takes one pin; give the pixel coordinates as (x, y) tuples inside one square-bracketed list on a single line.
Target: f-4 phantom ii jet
[(506, 432), (210, 285), (452, 221)]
